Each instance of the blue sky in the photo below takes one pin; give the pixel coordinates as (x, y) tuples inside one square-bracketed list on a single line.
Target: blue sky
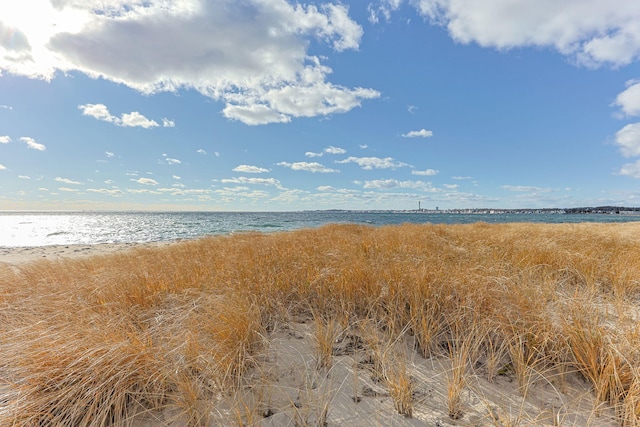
[(283, 105)]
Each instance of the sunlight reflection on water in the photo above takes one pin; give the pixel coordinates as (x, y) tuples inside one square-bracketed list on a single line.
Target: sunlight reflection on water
[(65, 228)]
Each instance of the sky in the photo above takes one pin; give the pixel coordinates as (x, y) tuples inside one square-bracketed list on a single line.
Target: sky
[(276, 105)]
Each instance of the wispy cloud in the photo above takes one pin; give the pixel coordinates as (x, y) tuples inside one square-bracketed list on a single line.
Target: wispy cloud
[(170, 160), (249, 169), (107, 191), (5, 139), (145, 181), (329, 150), (67, 181), (313, 167), (31, 143), (426, 172), (133, 119), (369, 163), (201, 151), (255, 181), (386, 184), (6, 107), (526, 189), (422, 133)]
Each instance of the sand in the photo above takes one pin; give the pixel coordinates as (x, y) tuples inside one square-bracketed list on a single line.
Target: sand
[(22, 255), (299, 394)]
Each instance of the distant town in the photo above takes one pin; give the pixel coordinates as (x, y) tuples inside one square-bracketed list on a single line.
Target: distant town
[(611, 210)]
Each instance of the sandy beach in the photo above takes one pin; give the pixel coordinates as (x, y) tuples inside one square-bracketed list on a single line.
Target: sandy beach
[(23, 255), (340, 326)]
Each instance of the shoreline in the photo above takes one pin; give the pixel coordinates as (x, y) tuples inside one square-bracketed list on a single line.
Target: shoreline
[(21, 255)]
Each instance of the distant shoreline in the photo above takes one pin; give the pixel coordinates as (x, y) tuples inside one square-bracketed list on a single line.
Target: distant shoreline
[(618, 210), (599, 210)]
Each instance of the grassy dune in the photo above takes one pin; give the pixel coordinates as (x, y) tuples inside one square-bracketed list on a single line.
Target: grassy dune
[(498, 325)]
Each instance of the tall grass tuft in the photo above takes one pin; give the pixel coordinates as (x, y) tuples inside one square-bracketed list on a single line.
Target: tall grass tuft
[(176, 331)]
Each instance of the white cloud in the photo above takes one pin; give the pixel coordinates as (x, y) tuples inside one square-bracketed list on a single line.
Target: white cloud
[(168, 123), (426, 172), (31, 143), (422, 133), (594, 33), (2, 167), (133, 119), (67, 181), (68, 190), (628, 138), (386, 184), (334, 150), (5, 139), (251, 55), (143, 191), (176, 177), (629, 99), (526, 189), (385, 8), (462, 178), (97, 111), (369, 163), (24, 177), (329, 150), (170, 160), (109, 154), (145, 181), (201, 151), (108, 191), (249, 169), (308, 167), (631, 169), (255, 181), (6, 107)]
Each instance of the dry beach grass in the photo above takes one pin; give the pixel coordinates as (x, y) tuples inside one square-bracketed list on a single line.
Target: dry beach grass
[(496, 325)]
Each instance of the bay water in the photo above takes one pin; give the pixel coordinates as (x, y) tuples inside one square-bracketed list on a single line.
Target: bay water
[(23, 229)]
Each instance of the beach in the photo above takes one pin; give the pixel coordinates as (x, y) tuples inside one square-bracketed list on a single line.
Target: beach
[(23, 255), (344, 325)]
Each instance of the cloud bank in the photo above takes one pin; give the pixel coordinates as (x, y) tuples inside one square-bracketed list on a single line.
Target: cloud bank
[(592, 33), (253, 55)]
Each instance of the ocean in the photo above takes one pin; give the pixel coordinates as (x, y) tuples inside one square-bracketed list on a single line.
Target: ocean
[(21, 229)]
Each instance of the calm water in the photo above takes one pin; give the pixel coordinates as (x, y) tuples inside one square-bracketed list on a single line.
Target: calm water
[(63, 228)]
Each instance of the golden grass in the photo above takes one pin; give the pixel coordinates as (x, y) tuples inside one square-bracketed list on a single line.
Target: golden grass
[(97, 341)]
